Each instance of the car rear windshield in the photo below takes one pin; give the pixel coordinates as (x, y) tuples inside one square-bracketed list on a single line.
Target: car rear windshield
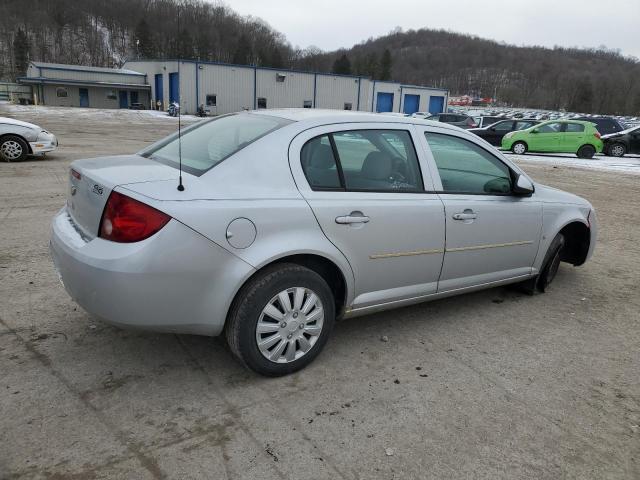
[(205, 145)]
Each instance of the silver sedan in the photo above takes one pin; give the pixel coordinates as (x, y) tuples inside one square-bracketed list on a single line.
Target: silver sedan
[(285, 220), (20, 139)]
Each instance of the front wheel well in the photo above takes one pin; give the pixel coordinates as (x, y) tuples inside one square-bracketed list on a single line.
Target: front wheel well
[(20, 137), (577, 239)]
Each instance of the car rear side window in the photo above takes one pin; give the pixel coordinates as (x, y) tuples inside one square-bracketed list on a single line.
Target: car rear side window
[(574, 128), (319, 164), (464, 167), (503, 126), (362, 160)]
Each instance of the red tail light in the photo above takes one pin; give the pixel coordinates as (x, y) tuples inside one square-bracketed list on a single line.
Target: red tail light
[(75, 174), (597, 134), (126, 220)]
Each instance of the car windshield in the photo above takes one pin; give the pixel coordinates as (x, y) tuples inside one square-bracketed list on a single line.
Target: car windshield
[(205, 145)]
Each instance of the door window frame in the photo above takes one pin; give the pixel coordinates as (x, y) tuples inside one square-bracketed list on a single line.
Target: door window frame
[(295, 163), (433, 166)]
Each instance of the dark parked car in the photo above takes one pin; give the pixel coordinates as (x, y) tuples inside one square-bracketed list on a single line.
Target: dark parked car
[(462, 121), (605, 125), (495, 132), (620, 143), (485, 120)]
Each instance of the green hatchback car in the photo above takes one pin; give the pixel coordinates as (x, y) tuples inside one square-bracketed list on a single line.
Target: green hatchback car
[(571, 136)]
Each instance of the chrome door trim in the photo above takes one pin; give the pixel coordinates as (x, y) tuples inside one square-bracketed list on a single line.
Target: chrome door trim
[(491, 245), (377, 256)]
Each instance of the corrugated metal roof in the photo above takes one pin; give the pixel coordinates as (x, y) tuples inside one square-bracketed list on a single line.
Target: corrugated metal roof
[(62, 66)]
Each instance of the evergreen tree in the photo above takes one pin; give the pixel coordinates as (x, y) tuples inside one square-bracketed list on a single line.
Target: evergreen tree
[(342, 65), (21, 52), (243, 53), (186, 48), (371, 65), (276, 59), (385, 65), (145, 45)]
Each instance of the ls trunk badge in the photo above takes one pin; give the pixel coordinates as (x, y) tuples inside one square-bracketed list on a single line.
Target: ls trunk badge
[(97, 189)]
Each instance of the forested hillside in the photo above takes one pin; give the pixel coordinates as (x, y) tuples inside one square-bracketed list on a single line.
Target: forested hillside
[(105, 32)]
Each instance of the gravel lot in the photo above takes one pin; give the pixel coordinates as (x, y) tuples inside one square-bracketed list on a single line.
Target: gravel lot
[(488, 385)]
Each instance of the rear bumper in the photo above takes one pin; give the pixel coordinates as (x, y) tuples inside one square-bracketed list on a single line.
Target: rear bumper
[(175, 281)]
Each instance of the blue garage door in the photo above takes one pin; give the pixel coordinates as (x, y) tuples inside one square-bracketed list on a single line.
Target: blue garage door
[(436, 104), (84, 97), (123, 95), (385, 102), (174, 87), (159, 88), (411, 103)]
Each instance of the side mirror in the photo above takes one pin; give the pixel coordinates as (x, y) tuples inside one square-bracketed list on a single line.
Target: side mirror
[(535, 131), (523, 186)]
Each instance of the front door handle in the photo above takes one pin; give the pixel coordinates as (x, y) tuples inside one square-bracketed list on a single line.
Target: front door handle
[(466, 215), (351, 219)]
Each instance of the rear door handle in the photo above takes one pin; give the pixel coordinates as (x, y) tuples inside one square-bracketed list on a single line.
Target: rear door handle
[(350, 219), (465, 216)]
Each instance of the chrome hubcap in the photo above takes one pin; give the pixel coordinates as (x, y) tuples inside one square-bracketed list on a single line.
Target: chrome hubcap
[(617, 150), (289, 325), (519, 149), (11, 149)]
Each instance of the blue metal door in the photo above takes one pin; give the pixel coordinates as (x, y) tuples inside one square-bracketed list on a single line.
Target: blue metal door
[(411, 104), (159, 87), (124, 98), (84, 97), (174, 87), (385, 102), (436, 104)]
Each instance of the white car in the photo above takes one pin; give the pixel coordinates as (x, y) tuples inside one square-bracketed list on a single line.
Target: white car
[(19, 139)]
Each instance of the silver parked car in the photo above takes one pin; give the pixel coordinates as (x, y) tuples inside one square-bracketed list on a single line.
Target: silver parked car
[(19, 139), (290, 219)]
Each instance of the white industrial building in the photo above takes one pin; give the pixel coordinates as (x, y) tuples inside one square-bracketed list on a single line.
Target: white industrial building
[(79, 86), (224, 88), (221, 88)]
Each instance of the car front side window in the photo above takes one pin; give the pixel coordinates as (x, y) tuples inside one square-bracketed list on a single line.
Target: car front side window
[(465, 167)]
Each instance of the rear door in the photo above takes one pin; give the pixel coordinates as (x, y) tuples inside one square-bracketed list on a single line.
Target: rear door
[(365, 187), (634, 141), (573, 137), (497, 131), (491, 234)]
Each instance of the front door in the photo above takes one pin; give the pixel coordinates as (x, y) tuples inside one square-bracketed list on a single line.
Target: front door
[(495, 133), (546, 137), (134, 97), (491, 235), (124, 98), (84, 97), (634, 141), (364, 185)]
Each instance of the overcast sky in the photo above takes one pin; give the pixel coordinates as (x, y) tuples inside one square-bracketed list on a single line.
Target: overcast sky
[(331, 24)]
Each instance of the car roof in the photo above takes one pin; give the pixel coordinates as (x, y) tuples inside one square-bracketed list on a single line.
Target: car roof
[(316, 117)]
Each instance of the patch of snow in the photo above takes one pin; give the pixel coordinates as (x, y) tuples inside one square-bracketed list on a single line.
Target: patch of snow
[(626, 164)]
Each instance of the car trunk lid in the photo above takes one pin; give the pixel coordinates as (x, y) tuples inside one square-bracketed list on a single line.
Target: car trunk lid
[(92, 180)]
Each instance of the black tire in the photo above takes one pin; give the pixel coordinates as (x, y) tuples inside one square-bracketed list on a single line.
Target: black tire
[(513, 148), (13, 143), (586, 151), (617, 150), (550, 264), (246, 309)]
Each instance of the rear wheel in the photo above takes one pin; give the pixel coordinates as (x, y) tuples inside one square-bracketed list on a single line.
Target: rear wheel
[(617, 150), (281, 320), (13, 149), (586, 151), (519, 148)]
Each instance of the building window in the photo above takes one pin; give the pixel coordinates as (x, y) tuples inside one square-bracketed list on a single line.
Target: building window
[(280, 77), (262, 102), (348, 106), (212, 101), (62, 92), (111, 95), (307, 104)]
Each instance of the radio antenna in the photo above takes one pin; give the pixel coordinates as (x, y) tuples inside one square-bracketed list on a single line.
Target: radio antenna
[(180, 185)]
